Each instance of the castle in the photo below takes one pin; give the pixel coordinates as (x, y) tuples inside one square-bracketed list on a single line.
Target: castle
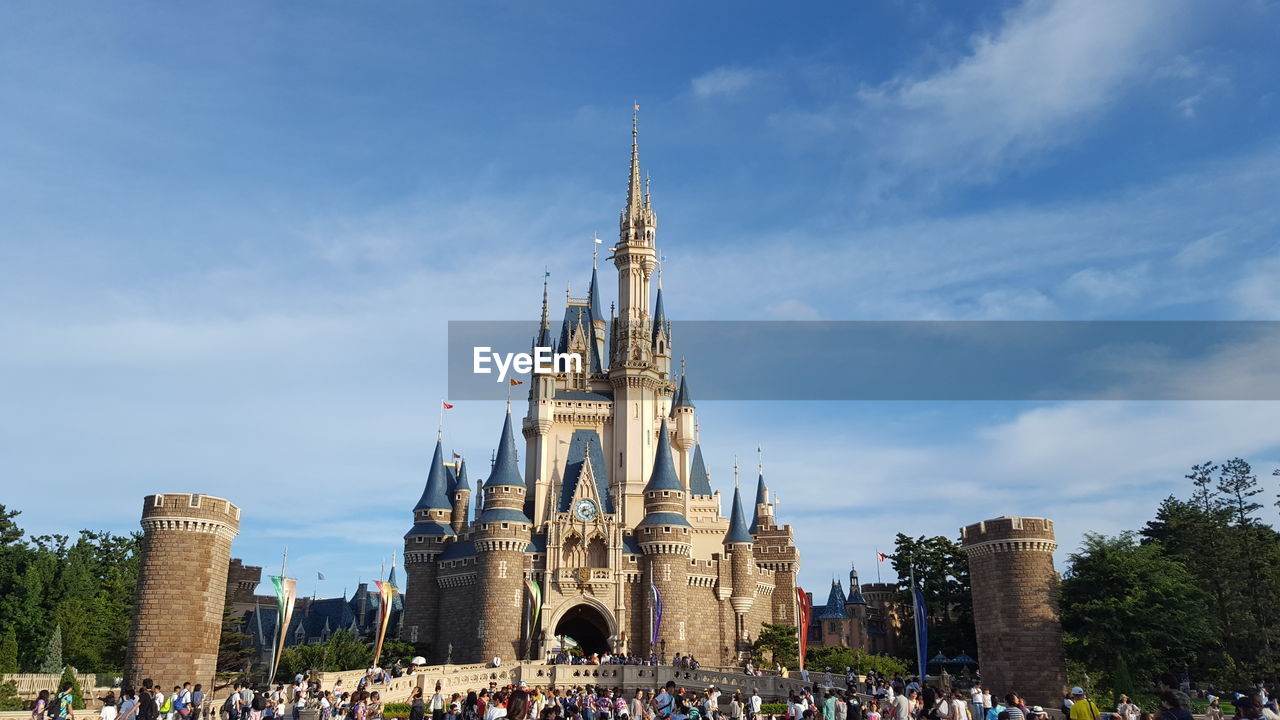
[(612, 521), (869, 618)]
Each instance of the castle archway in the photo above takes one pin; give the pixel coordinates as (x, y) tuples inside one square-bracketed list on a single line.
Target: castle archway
[(587, 626)]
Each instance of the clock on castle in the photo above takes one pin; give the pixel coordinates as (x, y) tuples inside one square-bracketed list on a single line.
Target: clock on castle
[(613, 511)]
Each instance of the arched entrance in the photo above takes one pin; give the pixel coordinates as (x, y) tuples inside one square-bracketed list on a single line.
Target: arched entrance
[(587, 627)]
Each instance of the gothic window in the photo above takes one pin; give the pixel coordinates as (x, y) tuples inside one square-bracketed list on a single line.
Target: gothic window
[(681, 631), (597, 553), (574, 554), (502, 569), (666, 572)]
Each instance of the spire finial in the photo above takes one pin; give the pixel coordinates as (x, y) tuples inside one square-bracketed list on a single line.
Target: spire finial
[(567, 292), (595, 250), (697, 433), (760, 458), (634, 198), (735, 472), (545, 275)]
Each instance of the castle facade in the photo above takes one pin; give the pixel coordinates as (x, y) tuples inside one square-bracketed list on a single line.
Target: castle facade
[(612, 520)]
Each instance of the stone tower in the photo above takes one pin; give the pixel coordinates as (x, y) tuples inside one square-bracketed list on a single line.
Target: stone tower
[(742, 566), (502, 533), (432, 530), (1015, 607), (665, 540), (182, 585), (461, 500), (775, 549)]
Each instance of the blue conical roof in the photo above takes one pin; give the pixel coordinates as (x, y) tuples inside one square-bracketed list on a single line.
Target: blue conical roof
[(462, 483), (682, 395), (737, 522), (505, 471), (699, 481), (664, 468), (434, 496), (659, 316), (762, 498), (594, 296), (834, 609)]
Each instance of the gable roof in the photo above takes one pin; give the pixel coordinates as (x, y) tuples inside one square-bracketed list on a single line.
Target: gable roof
[(582, 444)]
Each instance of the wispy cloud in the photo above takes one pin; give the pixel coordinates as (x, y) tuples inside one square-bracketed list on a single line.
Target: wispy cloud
[(723, 81)]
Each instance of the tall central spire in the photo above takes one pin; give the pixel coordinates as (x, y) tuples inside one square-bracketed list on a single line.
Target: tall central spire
[(635, 200), (638, 221)]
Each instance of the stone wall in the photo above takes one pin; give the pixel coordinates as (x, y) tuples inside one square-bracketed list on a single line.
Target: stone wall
[(1015, 607), (182, 584)]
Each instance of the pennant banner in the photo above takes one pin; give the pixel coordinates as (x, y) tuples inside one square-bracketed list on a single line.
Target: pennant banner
[(387, 591), (922, 629), (804, 606), (286, 594), (655, 616), (535, 609)]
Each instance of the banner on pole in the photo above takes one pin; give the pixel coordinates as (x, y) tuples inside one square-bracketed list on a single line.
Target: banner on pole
[(656, 613), (804, 606), (922, 629), (387, 593), (286, 594)]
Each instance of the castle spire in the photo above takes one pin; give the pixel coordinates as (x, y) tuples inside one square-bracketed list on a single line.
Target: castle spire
[(737, 521), (434, 495), (505, 471), (635, 201)]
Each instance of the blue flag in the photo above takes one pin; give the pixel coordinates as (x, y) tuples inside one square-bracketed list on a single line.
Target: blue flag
[(922, 630), (656, 614)]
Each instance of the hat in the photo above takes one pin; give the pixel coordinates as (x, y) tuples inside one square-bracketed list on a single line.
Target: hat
[(1077, 690), (1037, 710)]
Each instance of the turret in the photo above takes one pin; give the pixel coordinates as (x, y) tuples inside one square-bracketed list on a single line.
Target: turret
[(682, 417), (661, 341), (664, 538), (763, 514), (502, 532), (461, 499), (432, 530), (737, 548)]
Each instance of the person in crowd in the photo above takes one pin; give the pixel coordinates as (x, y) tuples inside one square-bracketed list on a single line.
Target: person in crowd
[(1082, 707), (197, 701), (109, 710), (873, 709), (1214, 711), (1126, 709), (41, 706), (374, 710), (1170, 708), (1168, 682)]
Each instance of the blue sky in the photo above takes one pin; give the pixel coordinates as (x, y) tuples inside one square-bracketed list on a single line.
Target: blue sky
[(231, 237)]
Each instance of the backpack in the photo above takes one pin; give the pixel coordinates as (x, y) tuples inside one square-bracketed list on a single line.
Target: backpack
[(257, 703), (167, 705)]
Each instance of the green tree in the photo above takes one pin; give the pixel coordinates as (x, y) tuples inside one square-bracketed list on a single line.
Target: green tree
[(52, 662), (1128, 610), (9, 699), (77, 694), (8, 651), (780, 642), (838, 658), (942, 571), (233, 648)]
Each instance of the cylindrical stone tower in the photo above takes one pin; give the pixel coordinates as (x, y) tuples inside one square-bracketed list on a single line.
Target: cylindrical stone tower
[(502, 534), (426, 540), (665, 539), (1015, 607), (182, 585)]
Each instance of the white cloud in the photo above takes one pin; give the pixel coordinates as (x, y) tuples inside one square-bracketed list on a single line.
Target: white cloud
[(1036, 83), (791, 309), (723, 81)]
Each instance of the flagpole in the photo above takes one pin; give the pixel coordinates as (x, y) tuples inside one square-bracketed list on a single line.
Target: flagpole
[(878, 561), (919, 659)]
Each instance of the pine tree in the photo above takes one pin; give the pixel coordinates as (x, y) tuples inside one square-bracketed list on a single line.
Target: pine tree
[(77, 695), (9, 651), (52, 663)]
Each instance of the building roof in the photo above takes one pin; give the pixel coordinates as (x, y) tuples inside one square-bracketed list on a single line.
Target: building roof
[(664, 475), (682, 395), (834, 609), (762, 498), (434, 495), (737, 522), (462, 483), (458, 550), (699, 481), (659, 317), (429, 528), (593, 294), (664, 518), (573, 316), (855, 598), (537, 544), (505, 470), (581, 395), (502, 515), (582, 443), (630, 546)]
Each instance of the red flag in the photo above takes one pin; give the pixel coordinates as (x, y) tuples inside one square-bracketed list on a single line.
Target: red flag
[(456, 456), (881, 557), (446, 405), (514, 382), (804, 607)]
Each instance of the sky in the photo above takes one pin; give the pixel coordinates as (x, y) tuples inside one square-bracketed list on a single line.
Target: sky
[(232, 235)]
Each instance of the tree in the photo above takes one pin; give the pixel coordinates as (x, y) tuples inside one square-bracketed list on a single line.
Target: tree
[(77, 695), (52, 662), (233, 647), (941, 570), (838, 658), (9, 699), (781, 643), (8, 651), (1128, 610)]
